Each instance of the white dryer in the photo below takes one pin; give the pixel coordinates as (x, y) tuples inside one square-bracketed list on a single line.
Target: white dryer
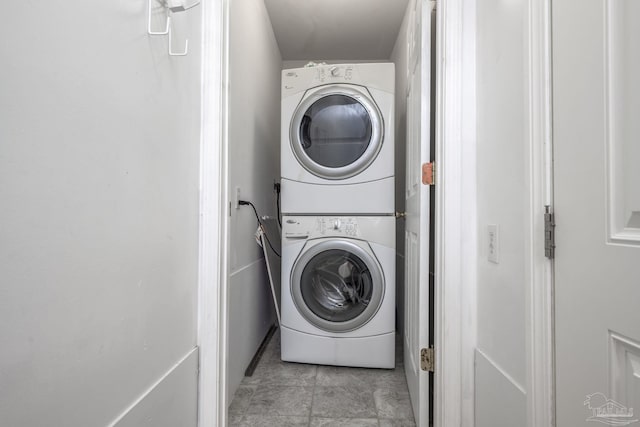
[(337, 153), (338, 290)]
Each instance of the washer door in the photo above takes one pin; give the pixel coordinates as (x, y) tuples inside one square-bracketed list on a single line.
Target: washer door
[(337, 132), (337, 286)]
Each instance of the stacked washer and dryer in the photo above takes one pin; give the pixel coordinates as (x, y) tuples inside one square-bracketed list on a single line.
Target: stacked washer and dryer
[(338, 216)]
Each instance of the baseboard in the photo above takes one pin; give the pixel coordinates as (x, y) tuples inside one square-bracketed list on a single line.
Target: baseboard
[(171, 401), (250, 315), (263, 346)]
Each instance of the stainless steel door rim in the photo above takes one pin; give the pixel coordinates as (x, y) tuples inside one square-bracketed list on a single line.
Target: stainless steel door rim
[(360, 95), (373, 269)]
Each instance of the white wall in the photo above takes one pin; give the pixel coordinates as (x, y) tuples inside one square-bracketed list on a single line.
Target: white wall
[(254, 163), (502, 139), (399, 56), (500, 402), (99, 142)]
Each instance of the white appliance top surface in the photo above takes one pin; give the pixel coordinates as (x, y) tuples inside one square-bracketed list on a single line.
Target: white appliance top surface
[(336, 29)]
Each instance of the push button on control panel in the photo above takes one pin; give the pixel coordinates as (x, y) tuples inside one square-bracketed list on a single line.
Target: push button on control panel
[(322, 74), (351, 228), (348, 74)]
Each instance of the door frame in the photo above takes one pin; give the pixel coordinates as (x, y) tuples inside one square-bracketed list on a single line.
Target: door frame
[(456, 226), (455, 200), (540, 384), (214, 201), (455, 235), (212, 282)]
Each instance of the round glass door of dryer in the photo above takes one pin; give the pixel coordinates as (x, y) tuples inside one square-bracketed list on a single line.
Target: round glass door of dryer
[(337, 132), (337, 286)]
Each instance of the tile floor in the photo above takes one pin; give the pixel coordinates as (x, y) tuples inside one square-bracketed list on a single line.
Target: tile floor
[(291, 394)]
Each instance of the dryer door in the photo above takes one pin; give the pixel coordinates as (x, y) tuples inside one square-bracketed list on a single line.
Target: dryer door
[(337, 131), (337, 285)]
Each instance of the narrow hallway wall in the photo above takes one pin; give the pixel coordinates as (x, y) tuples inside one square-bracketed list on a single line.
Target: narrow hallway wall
[(502, 126), (254, 164), (99, 147)]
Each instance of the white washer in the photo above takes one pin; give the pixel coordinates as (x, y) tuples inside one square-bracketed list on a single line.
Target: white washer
[(338, 290), (337, 153)]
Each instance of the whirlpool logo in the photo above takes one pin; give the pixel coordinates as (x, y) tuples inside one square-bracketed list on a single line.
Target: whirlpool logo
[(608, 411)]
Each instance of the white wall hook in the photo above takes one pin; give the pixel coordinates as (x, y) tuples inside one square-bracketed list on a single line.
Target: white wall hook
[(180, 6), (156, 33), (186, 45)]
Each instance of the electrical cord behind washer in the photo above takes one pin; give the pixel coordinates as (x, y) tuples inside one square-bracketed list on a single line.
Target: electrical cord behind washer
[(244, 202), (276, 186)]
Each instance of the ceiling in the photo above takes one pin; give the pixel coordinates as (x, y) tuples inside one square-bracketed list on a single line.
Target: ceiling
[(336, 29)]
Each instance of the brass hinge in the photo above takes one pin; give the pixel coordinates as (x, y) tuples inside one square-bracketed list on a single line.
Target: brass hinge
[(429, 173), (427, 359), (549, 233)]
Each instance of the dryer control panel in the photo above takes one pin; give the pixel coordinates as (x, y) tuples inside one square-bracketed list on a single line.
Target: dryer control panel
[(379, 76), (333, 73)]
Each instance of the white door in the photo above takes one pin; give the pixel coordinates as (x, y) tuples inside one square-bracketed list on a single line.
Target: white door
[(416, 322), (596, 129)]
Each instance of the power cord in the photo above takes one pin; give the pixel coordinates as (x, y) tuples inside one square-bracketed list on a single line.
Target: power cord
[(244, 203), (276, 187)]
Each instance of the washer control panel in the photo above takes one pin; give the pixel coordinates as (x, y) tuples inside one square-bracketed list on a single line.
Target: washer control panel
[(300, 228), (332, 226)]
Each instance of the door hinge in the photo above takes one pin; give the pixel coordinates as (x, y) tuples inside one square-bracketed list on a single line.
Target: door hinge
[(429, 173), (427, 359), (549, 233)]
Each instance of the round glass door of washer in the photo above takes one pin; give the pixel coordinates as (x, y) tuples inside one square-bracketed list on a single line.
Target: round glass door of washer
[(337, 286), (337, 132)]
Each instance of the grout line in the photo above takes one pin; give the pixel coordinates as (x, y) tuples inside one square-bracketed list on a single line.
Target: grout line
[(253, 392), (313, 395), (373, 396)]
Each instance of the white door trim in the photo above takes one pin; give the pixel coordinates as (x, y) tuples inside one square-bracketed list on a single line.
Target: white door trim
[(540, 341), (214, 202), (451, 219), (456, 225), (468, 227)]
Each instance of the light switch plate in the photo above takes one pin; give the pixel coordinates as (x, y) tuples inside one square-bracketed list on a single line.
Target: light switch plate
[(492, 243)]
